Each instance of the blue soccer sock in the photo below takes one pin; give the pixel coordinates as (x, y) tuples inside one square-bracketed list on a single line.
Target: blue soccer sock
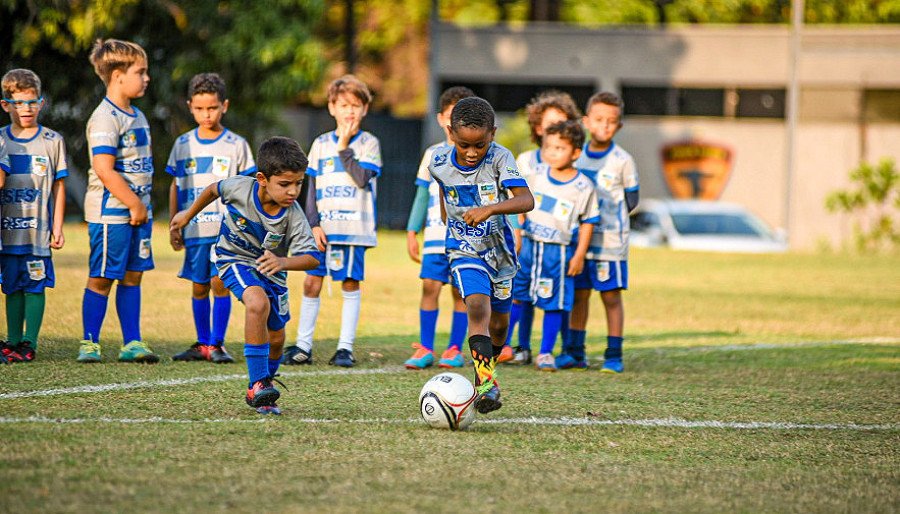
[(552, 323), (201, 318), (458, 329), (515, 314), (93, 310), (273, 366), (427, 324), (565, 332), (221, 313), (525, 324), (576, 344), (128, 305), (257, 356), (613, 347)]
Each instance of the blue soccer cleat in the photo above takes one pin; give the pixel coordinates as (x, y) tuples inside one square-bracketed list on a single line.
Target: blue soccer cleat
[(566, 361), (421, 359), (452, 358), (612, 366), (343, 358)]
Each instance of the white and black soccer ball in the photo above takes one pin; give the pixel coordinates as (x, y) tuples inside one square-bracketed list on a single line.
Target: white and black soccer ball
[(446, 401)]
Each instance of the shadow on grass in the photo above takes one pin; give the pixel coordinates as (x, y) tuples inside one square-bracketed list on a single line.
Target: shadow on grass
[(710, 334)]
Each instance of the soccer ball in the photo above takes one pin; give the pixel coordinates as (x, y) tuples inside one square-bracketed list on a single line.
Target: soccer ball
[(446, 401)]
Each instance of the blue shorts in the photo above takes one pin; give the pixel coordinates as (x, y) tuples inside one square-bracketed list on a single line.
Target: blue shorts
[(542, 279), (198, 266), (473, 280), (603, 276), (436, 266), (117, 248), (238, 277), (26, 273), (341, 262)]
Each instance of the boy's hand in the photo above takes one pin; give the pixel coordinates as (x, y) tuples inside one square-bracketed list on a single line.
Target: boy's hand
[(345, 132), (412, 246), (476, 215), (269, 263), (576, 265), (320, 237), (176, 239), (179, 220), (138, 214), (57, 240)]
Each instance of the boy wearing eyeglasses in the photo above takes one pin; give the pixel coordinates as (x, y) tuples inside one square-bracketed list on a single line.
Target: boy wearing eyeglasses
[(32, 204)]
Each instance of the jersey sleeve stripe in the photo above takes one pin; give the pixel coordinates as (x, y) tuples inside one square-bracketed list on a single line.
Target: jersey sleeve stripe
[(104, 150)]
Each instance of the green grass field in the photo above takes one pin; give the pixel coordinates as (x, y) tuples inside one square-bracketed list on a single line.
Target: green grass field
[(752, 384)]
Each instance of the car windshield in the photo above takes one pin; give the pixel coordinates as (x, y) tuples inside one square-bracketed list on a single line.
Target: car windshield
[(693, 224)]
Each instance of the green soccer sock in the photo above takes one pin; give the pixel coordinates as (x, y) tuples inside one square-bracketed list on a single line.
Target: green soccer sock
[(15, 316), (34, 316)]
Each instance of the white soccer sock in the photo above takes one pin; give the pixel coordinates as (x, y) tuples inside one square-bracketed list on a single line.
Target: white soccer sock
[(309, 312), (349, 320)]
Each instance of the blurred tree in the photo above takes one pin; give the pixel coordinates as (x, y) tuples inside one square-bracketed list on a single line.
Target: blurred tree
[(874, 201)]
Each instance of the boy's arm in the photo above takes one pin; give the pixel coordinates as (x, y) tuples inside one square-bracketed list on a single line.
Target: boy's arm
[(361, 176), (269, 263), (311, 210), (57, 240), (521, 201), (208, 196), (416, 222), (175, 237), (576, 263), (103, 165)]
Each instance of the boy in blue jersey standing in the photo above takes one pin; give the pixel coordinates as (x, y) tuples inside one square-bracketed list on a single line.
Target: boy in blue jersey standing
[(616, 179), (263, 235), (556, 234), (426, 212), (117, 203), (33, 202), (201, 157), (479, 187), (340, 204)]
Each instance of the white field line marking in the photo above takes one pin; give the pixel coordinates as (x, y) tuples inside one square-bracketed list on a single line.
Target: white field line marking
[(651, 423), (100, 388), (770, 346)]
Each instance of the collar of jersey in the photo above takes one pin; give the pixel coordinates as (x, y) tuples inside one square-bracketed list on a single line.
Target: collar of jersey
[(208, 141), (537, 156), (259, 206), (598, 155), (465, 168), (10, 135), (136, 111), (334, 136), (560, 182)]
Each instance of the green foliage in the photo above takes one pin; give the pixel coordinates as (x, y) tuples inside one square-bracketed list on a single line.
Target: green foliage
[(874, 200)]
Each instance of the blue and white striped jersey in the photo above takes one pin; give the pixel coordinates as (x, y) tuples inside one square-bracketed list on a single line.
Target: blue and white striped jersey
[(346, 212), (195, 163), (112, 131), (26, 215), (435, 229), (528, 161), (490, 245), (614, 173), (247, 231), (559, 207)]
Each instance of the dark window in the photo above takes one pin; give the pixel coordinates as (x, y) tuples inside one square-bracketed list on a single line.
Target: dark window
[(760, 103), (648, 101), (881, 104), (512, 97), (718, 224), (673, 101), (701, 102)]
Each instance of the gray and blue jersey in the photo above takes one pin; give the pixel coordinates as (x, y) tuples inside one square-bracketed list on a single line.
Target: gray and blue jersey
[(490, 245), (528, 161), (247, 231), (346, 211), (195, 163), (33, 165), (559, 207), (126, 136), (435, 230), (614, 173)]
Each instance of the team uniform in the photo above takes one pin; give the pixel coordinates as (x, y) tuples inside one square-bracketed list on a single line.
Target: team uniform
[(550, 237), (34, 165), (435, 264), (614, 173), (528, 161), (482, 258), (346, 212), (195, 163)]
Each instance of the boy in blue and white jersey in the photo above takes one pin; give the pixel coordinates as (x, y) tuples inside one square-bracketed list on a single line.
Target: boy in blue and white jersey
[(33, 201), (426, 211), (201, 157), (616, 178), (340, 205), (117, 203), (547, 108), (477, 177), (556, 233), (263, 235)]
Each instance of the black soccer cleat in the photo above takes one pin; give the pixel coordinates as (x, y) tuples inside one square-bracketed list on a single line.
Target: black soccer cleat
[(294, 355), (489, 400), (220, 356)]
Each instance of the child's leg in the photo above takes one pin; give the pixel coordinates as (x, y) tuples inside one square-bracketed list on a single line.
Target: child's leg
[(615, 322), (128, 306), (276, 348), (221, 311), (478, 307), (200, 305), (428, 312), (460, 322), (309, 311), (514, 316), (15, 316), (34, 317), (256, 348), (526, 321), (349, 313), (93, 307), (552, 325)]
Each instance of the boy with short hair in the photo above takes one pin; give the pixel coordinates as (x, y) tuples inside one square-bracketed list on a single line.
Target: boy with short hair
[(201, 157), (117, 203), (556, 234), (340, 206), (426, 211), (33, 202), (264, 235), (477, 177), (547, 108), (616, 179)]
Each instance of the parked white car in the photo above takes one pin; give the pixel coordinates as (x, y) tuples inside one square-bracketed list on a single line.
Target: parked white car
[(702, 226)]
